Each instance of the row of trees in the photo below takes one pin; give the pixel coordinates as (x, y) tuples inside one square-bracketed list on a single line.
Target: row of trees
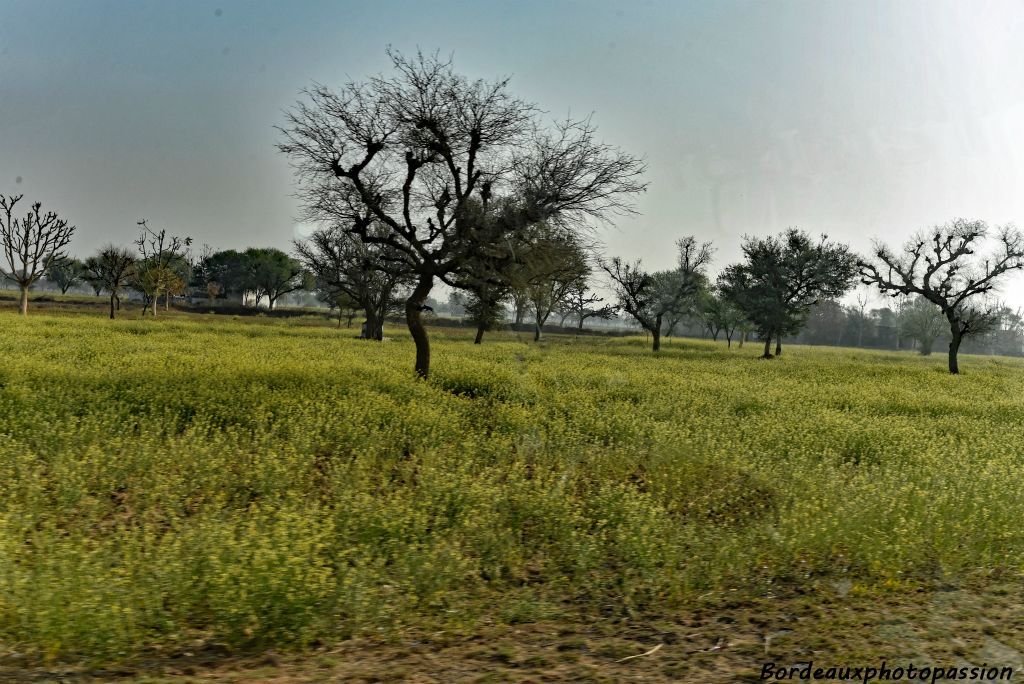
[(156, 265), (424, 176)]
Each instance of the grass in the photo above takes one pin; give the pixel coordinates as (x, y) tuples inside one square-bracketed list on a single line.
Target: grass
[(247, 485)]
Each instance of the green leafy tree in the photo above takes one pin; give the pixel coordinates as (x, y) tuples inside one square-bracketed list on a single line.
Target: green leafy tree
[(272, 273), (923, 322), (65, 273), (782, 277), (720, 316)]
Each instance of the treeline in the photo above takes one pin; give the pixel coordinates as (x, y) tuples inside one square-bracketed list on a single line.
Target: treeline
[(424, 177), (913, 324)]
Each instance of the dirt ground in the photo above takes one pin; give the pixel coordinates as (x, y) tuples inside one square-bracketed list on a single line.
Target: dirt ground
[(945, 626)]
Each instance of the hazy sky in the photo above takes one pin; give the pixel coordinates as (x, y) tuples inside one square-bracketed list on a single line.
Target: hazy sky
[(858, 119)]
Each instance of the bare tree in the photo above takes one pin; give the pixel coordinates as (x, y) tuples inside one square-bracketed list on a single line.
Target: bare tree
[(418, 151), (863, 298), (938, 266), (30, 243), (341, 263), (584, 304), (155, 270), (649, 297), (110, 270)]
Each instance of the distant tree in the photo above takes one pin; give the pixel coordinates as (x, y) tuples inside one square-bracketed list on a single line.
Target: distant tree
[(223, 273), (415, 151), (550, 264), (485, 308), (520, 304), (111, 270), (157, 269), (30, 243), (720, 316), (273, 273), (583, 304), (363, 272), (939, 266), (923, 322), (649, 297), (65, 273), (782, 278)]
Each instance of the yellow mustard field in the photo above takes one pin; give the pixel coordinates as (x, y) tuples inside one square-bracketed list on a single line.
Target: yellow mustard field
[(282, 483)]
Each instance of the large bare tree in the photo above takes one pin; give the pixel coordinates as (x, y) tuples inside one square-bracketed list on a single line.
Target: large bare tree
[(419, 150), (940, 265), (31, 243)]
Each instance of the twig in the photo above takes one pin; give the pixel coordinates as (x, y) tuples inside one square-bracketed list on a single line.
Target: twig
[(640, 655)]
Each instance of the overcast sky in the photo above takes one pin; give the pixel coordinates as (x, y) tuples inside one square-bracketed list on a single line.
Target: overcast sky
[(858, 119)]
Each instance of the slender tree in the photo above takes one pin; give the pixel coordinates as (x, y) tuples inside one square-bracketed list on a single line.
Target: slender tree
[(30, 243), (940, 266), (155, 270), (417, 151), (551, 263)]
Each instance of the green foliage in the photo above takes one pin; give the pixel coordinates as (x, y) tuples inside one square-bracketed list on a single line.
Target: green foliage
[(65, 273), (783, 277), (252, 484), (923, 322)]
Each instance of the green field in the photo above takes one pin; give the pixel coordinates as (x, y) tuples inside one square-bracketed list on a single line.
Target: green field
[(277, 484)]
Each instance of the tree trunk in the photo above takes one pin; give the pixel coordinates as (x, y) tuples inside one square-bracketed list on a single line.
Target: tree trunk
[(370, 327), (480, 328), (167, 301), (656, 334), (341, 317), (767, 347), (579, 326), (778, 345), (926, 347), (23, 307), (112, 305), (954, 347), (536, 331), (117, 300), (414, 318)]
